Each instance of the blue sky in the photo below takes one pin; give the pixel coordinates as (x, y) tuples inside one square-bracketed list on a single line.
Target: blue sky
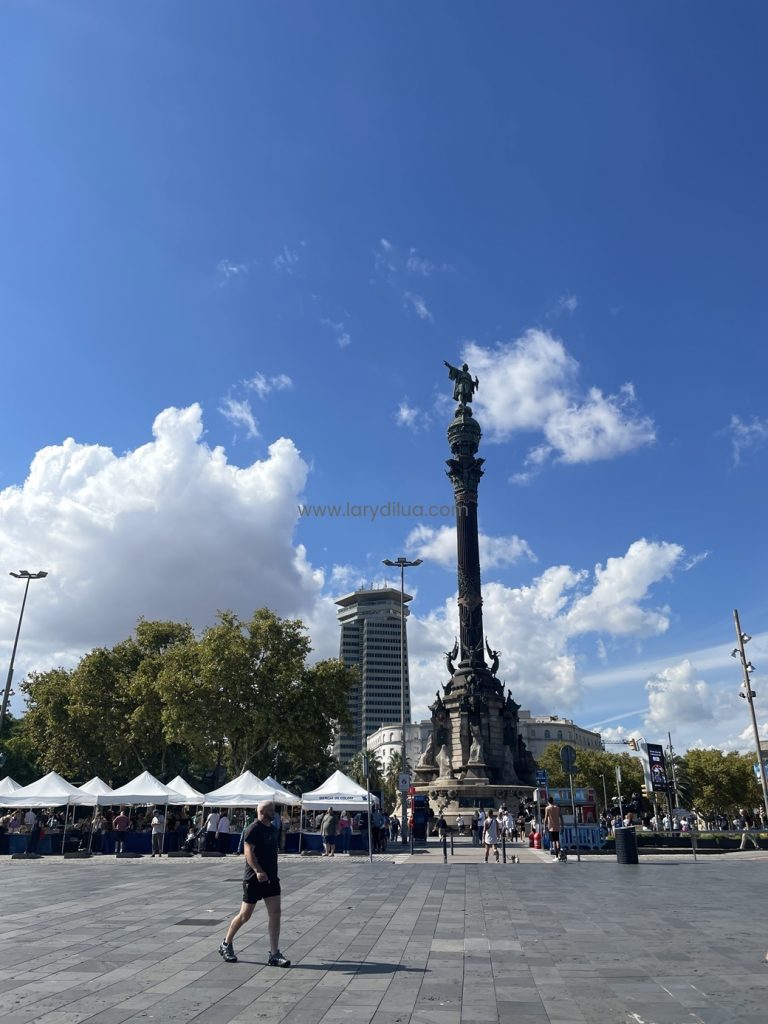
[(282, 218)]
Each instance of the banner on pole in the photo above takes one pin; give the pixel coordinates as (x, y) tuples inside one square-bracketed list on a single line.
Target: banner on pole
[(658, 767)]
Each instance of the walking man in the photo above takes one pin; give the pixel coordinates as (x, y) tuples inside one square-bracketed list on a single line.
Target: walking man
[(552, 825), (746, 822), (491, 836), (158, 832), (260, 882)]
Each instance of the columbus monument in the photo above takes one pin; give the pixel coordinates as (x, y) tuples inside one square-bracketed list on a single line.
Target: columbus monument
[(475, 756)]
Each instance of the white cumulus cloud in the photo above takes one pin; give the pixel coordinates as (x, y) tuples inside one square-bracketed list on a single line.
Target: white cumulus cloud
[(536, 626), (169, 530), (531, 386), (677, 697), (439, 545)]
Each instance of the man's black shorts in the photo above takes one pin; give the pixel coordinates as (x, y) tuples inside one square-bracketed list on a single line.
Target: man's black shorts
[(554, 837), (253, 890)]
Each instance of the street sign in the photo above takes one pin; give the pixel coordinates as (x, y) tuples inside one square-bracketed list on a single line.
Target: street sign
[(403, 781), (568, 759), (541, 777)]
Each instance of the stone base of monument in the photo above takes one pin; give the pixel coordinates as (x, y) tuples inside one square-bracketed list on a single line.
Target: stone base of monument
[(464, 796)]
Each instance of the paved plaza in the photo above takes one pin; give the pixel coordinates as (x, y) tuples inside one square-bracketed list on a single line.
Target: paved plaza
[(406, 940)]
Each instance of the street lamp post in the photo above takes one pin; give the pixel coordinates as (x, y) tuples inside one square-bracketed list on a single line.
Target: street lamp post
[(22, 574), (605, 795), (402, 564), (749, 694)]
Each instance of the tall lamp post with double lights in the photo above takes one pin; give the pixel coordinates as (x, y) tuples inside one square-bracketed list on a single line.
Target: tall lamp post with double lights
[(402, 564), (749, 695), (22, 574)]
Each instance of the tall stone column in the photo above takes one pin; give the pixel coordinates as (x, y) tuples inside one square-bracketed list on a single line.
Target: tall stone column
[(464, 471)]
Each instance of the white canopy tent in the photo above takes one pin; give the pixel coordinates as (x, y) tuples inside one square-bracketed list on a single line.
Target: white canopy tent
[(184, 789), (144, 789), (339, 792), (282, 795), (247, 790), (7, 785), (96, 787), (50, 791)]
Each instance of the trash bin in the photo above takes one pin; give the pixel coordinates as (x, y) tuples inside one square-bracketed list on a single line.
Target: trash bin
[(626, 845)]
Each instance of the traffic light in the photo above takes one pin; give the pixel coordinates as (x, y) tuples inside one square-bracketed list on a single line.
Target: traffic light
[(633, 745), (644, 790)]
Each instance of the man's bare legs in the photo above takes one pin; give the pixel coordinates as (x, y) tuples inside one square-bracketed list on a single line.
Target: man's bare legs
[(237, 922), (272, 903), (274, 913)]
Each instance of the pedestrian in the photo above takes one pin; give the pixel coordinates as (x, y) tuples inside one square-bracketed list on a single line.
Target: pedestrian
[(222, 833), (552, 825), (460, 824), (746, 822), (260, 882), (377, 823), (120, 825), (394, 827), (474, 827), (491, 835), (328, 828), (35, 830), (158, 832), (211, 828), (250, 817)]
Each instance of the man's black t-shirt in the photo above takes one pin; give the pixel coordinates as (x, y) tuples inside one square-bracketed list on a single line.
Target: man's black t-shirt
[(263, 841)]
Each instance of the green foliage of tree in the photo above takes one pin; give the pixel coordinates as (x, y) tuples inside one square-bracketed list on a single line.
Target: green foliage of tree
[(20, 754), (375, 770), (590, 766), (721, 783), (391, 776), (240, 695)]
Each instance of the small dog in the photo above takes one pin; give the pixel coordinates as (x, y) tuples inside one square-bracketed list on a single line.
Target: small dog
[(563, 856)]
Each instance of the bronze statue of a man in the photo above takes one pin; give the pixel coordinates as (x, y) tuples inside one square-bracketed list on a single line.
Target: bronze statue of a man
[(464, 386)]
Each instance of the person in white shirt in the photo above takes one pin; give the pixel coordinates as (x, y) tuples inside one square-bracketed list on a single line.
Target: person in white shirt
[(491, 835), (222, 833), (211, 828), (30, 818), (158, 832), (460, 824)]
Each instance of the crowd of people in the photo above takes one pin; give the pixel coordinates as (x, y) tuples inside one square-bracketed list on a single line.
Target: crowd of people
[(105, 830), (336, 827)]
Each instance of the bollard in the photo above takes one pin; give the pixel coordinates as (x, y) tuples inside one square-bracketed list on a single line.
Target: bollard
[(693, 844), (445, 849), (411, 840), (503, 848), (451, 843)]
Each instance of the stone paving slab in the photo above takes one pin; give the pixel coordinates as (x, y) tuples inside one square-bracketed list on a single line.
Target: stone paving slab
[(405, 940)]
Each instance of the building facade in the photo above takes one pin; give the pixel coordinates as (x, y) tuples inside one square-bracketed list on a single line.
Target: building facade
[(386, 741), (370, 642), (539, 731)]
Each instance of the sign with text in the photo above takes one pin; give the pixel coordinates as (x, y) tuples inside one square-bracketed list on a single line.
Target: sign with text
[(658, 767)]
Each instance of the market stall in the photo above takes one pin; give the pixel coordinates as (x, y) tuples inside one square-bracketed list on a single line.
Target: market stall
[(342, 794), (50, 791)]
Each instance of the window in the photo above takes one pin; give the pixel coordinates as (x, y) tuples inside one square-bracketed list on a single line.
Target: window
[(546, 734), (559, 734)]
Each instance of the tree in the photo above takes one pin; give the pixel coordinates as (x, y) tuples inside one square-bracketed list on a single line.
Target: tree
[(591, 766), (392, 775), (241, 695), (375, 770), (721, 783), (20, 754)]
